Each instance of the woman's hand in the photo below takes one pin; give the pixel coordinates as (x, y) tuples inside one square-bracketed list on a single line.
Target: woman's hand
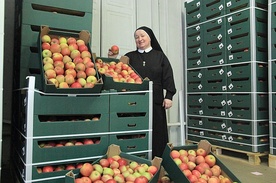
[(111, 54), (167, 103)]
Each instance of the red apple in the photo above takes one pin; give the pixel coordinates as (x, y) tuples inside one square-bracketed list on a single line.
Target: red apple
[(104, 162), (95, 175), (174, 154), (48, 168), (201, 152), (86, 169), (114, 49), (210, 160), (141, 179)]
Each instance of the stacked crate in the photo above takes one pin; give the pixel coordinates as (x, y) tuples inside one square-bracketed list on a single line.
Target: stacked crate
[(43, 118), (43, 121), (30, 16), (226, 71), (272, 81)]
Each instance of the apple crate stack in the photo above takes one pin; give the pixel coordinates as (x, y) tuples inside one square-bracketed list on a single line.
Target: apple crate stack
[(226, 70), (30, 15), (56, 132), (272, 82)]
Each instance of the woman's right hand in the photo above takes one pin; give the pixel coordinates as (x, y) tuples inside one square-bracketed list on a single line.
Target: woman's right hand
[(111, 54)]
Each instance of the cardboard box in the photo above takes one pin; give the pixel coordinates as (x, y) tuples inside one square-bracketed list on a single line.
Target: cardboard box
[(176, 174), (49, 87), (115, 150)]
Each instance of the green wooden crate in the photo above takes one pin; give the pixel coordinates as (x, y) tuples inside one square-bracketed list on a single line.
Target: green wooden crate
[(248, 127), (29, 35), (129, 102), (195, 61), (74, 19), (131, 142), (196, 121), (218, 124), (273, 31), (240, 77), (213, 9), (216, 80), (177, 175), (273, 107), (40, 154), (82, 5), (128, 121), (233, 6), (70, 105), (194, 12), (196, 104)]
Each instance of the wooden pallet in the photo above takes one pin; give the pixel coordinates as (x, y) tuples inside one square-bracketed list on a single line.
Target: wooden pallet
[(272, 161), (253, 158)]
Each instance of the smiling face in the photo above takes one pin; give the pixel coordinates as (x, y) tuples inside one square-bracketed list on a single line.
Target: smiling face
[(142, 39)]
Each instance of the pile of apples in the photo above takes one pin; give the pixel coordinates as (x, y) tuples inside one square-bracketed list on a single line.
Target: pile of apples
[(85, 141), (56, 168), (198, 166), (116, 169), (119, 71), (67, 62)]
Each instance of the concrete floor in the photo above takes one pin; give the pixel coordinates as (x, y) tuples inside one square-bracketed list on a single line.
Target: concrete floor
[(239, 166)]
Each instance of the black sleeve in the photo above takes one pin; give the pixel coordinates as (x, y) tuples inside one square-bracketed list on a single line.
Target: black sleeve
[(168, 79)]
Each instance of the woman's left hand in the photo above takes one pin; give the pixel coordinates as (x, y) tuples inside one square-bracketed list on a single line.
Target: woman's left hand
[(167, 103)]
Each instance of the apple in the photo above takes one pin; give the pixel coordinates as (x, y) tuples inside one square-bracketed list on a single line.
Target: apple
[(59, 70), (90, 71), (48, 168), (111, 181), (225, 180), (57, 57), (46, 53), (98, 168), (199, 159), (66, 59), (104, 162), (60, 78), (114, 164), (201, 152), (69, 79), (69, 144), (177, 161), (140, 169), (71, 40), (196, 173), (86, 180), (62, 40), (54, 82), (89, 64), (71, 71), (86, 169), (89, 85), (46, 39), (122, 161), (123, 168), (65, 51), (58, 63), (213, 180), (80, 42), (101, 70), (80, 67), (54, 41), (95, 175), (78, 143), (73, 46), (119, 178), (183, 166), (45, 46), (133, 165), (75, 85), (215, 171), (114, 49), (175, 154), (88, 141), (78, 60), (55, 48), (201, 180), (47, 60), (184, 158), (82, 81), (75, 53), (201, 169), (91, 79), (205, 176), (192, 158), (81, 74), (83, 48), (70, 167), (191, 152), (116, 157), (70, 65), (141, 179), (187, 172), (130, 177), (192, 178), (210, 160), (108, 171), (191, 165), (85, 53), (208, 172), (106, 177), (50, 73), (63, 85)]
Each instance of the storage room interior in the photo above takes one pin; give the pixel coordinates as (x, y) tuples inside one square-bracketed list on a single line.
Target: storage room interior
[(223, 57)]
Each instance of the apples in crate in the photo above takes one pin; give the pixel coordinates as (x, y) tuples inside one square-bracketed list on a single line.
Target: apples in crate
[(119, 71), (67, 62)]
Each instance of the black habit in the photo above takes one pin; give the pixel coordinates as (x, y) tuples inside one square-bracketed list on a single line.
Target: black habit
[(156, 66)]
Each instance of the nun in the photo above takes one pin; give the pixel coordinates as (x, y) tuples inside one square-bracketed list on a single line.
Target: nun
[(150, 62)]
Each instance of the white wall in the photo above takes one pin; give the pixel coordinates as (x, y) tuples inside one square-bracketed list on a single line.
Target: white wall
[(2, 19)]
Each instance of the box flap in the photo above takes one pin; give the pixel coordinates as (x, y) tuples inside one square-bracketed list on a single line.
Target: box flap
[(113, 150), (156, 161), (85, 36), (124, 59), (204, 144)]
